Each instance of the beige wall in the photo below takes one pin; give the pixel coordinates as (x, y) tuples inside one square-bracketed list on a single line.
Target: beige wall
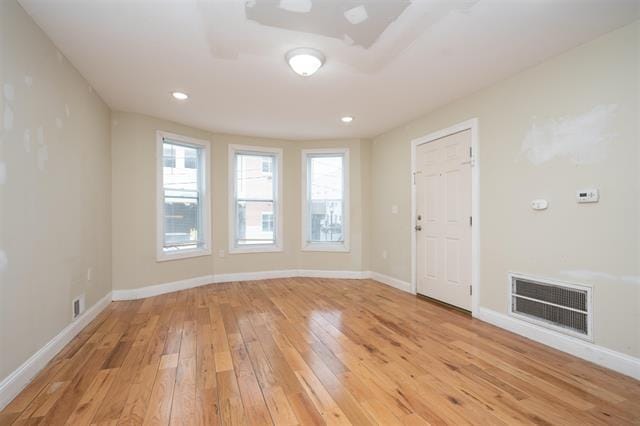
[(590, 98), (55, 189), (134, 185)]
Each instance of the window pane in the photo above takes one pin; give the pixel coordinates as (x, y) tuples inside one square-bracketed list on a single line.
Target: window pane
[(267, 222), (180, 218), (326, 220), (252, 182), (182, 224), (169, 156), (326, 177), (249, 222), (325, 198)]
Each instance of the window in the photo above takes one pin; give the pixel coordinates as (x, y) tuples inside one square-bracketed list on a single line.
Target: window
[(254, 190), (266, 166), (267, 222), (325, 200), (183, 197)]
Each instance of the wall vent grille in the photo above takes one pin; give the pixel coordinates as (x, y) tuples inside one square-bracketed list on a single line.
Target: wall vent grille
[(560, 306)]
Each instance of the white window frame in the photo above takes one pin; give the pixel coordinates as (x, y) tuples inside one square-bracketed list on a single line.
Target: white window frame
[(277, 199), (205, 190), (326, 246)]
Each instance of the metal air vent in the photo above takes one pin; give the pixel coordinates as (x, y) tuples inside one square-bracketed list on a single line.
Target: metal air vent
[(560, 306)]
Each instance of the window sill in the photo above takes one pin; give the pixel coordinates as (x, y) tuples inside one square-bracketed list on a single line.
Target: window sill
[(166, 256), (338, 248), (255, 249)]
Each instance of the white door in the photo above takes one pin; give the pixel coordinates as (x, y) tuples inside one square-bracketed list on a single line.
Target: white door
[(443, 219)]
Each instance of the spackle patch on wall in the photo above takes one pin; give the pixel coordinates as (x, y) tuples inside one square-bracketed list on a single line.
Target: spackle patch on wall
[(586, 275), (40, 135), (8, 117), (9, 92), (59, 123), (583, 138), (28, 80), (26, 140)]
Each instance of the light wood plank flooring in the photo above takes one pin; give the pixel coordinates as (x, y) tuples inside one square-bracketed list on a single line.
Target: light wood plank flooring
[(312, 351)]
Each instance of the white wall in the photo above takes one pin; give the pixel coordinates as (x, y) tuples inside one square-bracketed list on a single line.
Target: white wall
[(55, 189), (570, 123)]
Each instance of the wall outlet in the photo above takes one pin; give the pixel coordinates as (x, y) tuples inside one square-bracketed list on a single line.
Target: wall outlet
[(77, 306)]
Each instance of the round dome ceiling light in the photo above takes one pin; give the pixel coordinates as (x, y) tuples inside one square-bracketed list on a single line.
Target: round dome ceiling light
[(347, 119), (305, 61), (180, 96)]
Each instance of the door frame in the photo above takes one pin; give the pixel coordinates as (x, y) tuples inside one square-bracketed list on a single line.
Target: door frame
[(472, 125)]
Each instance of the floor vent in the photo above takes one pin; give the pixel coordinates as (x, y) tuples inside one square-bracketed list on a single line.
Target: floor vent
[(560, 306)]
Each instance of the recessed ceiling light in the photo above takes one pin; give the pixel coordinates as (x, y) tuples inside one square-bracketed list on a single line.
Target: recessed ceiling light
[(180, 96), (347, 119), (305, 61)]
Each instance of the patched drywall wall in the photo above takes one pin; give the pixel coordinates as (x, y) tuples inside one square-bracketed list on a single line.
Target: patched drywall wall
[(582, 138), (134, 207), (55, 190), (568, 124)]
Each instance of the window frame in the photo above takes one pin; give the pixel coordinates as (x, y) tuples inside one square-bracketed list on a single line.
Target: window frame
[(204, 190), (276, 173), (307, 245)]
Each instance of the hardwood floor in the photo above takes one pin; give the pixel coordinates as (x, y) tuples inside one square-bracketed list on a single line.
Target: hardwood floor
[(312, 351)]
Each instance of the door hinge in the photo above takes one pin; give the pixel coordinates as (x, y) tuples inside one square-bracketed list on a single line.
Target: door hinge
[(470, 291), (470, 152), (414, 176), (470, 220)]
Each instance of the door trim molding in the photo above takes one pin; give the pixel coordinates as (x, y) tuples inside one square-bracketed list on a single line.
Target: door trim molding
[(472, 125)]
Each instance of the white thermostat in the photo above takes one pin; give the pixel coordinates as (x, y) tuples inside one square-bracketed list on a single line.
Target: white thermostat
[(539, 204), (587, 196)]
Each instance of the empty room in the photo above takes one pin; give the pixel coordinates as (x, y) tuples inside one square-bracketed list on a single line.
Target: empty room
[(310, 212)]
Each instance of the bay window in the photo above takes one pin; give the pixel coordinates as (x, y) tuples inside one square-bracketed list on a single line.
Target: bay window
[(325, 200), (255, 184), (183, 213)]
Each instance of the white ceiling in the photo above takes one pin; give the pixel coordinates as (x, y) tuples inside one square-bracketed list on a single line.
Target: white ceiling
[(405, 59)]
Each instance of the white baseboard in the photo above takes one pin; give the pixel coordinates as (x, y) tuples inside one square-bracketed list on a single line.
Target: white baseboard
[(346, 275), (15, 382), (252, 276), (390, 281), (155, 290), (600, 355)]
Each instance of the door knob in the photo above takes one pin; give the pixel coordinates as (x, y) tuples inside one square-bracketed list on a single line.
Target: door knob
[(418, 228)]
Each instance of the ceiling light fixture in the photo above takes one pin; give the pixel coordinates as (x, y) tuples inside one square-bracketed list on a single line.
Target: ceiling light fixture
[(180, 96), (305, 61), (347, 119)]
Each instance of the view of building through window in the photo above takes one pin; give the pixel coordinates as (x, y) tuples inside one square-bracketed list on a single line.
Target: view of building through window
[(325, 197), (255, 198), (182, 195)]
